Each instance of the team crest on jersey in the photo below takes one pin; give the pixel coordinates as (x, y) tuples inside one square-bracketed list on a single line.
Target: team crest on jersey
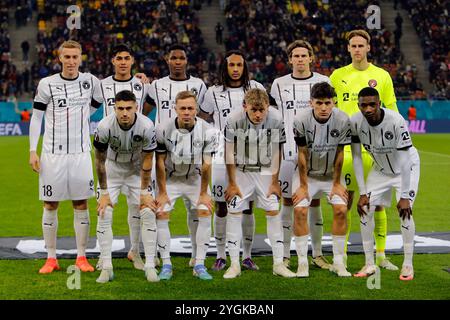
[(137, 87), (137, 138), (412, 193), (334, 133), (388, 135), (86, 85), (194, 91), (372, 83), (197, 143)]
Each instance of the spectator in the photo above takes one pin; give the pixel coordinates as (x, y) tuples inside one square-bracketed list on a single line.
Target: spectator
[(219, 31), (399, 21), (412, 113), (25, 49), (25, 116)]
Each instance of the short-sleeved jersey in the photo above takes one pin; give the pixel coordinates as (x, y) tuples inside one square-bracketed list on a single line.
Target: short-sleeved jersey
[(220, 103), (110, 87), (164, 91), (384, 140), (321, 139), (185, 149), (125, 145), (348, 81), (67, 103), (254, 143), (291, 95)]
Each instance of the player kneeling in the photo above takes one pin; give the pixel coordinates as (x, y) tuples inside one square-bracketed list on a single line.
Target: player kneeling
[(384, 134), (321, 133), (185, 146), (124, 143), (254, 136)]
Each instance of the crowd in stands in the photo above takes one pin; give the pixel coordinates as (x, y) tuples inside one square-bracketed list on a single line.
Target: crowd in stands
[(148, 27), (263, 29), (433, 31)]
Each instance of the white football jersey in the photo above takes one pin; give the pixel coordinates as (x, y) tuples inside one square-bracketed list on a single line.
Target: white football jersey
[(125, 145), (184, 148), (321, 139), (383, 141), (164, 91), (67, 103), (291, 95), (253, 143), (110, 87), (220, 102)]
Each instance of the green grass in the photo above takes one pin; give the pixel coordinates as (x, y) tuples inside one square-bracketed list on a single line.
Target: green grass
[(21, 214), (431, 282)]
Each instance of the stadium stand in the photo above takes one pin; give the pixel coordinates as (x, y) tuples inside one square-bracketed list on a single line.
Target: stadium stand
[(149, 28), (432, 29), (264, 29)]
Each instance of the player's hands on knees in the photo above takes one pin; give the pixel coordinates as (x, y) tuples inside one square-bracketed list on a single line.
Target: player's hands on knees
[(34, 161), (300, 194), (141, 76), (340, 191), (232, 191), (102, 203), (404, 208), (161, 200), (275, 189), (363, 205), (147, 201), (206, 200)]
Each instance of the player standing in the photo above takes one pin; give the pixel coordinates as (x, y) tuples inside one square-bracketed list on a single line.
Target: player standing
[(124, 143), (185, 146), (163, 91), (384, 134), (321, 133), (253, 138), (123, 60), (220, 101), (292, 94), (66, 100), (348, 81)]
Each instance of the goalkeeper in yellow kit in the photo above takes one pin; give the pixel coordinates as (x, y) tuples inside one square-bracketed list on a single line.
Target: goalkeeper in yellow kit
[(348, 81)]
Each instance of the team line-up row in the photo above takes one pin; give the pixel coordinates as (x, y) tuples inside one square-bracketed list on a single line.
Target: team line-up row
[(297, 152)]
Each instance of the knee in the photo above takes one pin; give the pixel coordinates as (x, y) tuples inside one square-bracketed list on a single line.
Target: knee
[(203, 213), (162, 216), (288, 202), (221, 209), (80, 204), (301, 215), (271, 213), (340, 213), (51, 205)]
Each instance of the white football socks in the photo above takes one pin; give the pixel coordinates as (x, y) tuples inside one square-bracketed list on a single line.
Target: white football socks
[(50, 229), (149, 234), (367, 224), (408, 228), (234, 235), (134, 224), (220, 233), (286, 218), (275, 235), (248, 233), (316, 230), (105, 237), (338, 249), (163, 240), (192, 221), (81, 225), (301, 246), (203, 237)]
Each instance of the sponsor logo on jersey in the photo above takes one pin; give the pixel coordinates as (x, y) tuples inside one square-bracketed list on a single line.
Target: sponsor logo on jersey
[(388, 135), (334, 133), (62, 103), (372, 83), (137, 87)]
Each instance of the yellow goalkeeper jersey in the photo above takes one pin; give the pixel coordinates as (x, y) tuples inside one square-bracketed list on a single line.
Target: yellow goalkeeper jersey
[(348, 81)]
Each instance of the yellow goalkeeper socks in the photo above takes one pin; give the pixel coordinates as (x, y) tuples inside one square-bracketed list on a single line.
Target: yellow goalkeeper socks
[(380, 233)]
